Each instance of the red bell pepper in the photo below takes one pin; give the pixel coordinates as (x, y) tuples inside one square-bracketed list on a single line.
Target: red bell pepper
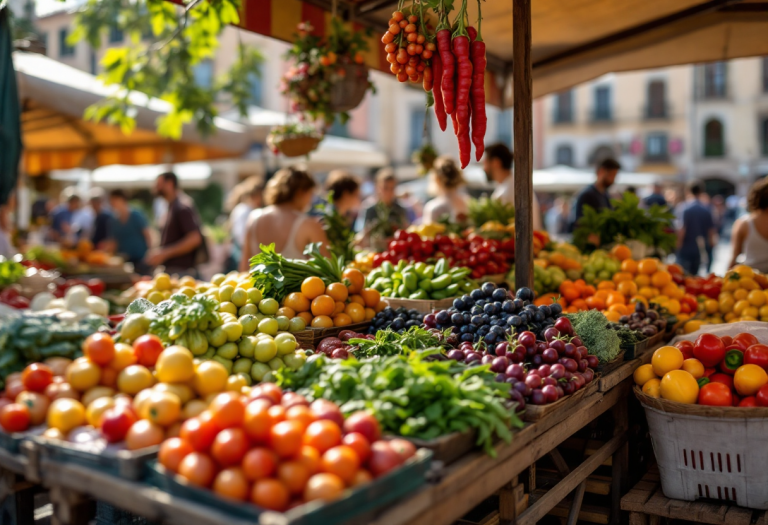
[(757, 355), (716, 395), (744, 340), (748, 402), (709, 349), (722, 378), (686, 347), (736, 399), (733, 359), (727, 340), (761, 397)]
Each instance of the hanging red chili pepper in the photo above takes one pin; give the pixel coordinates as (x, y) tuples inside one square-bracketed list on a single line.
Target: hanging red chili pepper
[(446, 57), (437, 74), (479, 118), (463, 86)]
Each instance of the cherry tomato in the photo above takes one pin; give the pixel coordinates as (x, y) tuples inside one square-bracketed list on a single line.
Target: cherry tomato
[(748, 402), (14, 417), (36, 377), (147, 348)]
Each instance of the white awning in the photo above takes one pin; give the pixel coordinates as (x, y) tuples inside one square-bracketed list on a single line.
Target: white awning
[(192, 175)]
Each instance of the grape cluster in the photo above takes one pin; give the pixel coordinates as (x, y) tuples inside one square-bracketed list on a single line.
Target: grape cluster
[(399, 320)]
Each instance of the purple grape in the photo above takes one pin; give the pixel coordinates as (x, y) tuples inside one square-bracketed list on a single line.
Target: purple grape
[(569, 387), (558, 345), (466, 347), (557, 371), (537, 360), (569, 350), (570, 365), (551, 333), (499, 364), (533, 380), (560, 392), (530, 351), (500, 378), (583, 352), (579, 381), (527, 339), (583, 365), (340, 353), (545, 370), (511, 380), (593, 361), (550, 355), (430, 321), (456, 355), (549, 381), (515, 357), (589, 375), (472, 356), (487, 358), (523, 388), (518, 398), (541, 346), (568, 375), (550, 393), (516, 371), (538, 397), (502, 348), (576, 341)]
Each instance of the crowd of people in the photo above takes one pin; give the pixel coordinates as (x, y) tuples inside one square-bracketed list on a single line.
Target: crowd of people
[(284, 212)]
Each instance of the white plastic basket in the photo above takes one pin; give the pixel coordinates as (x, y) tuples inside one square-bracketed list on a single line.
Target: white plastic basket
[(710, 452)]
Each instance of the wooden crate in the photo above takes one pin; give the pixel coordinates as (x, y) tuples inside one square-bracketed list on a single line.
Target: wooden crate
[(448, 448), (610, 366), (646, 502), (422, 306), (536, 412), (312, 336)]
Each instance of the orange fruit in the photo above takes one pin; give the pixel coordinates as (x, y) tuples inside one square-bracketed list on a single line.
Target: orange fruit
[(307, 316), (595, 303), (322, 321), (355, 278), (589, 291), (627, 288), (615, 298), (294, 475), (629, 266), (646, 292), (603, 294), (642, 280), (370, 313), (618, 308), (621, 252), (342, 461), (285, 438), (380, 307), (580, 285), (339, 307), (297, 301), (672, 290), (612, 316), (286, 311), (270, 494), (661, 279), (371, 297), (580, 305), (323, 305), (648, 266), (342, 319), (356, 312), (570, 293), (621, 276), (312, 287), (337, 291), (322, 434), (357, 299), (606, 285), (323, 486)]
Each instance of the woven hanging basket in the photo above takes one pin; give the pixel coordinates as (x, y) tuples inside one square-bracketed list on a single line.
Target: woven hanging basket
[(297, 146), (348, 93)]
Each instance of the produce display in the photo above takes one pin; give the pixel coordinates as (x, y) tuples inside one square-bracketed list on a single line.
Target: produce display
[(420, 280), (10, 272), (715, 371), (399, 320)]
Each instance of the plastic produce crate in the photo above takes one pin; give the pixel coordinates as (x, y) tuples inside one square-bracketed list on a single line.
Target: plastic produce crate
[(353, 505), (710, 452)]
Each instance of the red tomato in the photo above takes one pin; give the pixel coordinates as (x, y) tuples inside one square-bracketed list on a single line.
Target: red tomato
[(14, 417), (199, 432), (744, 341), (724, 379), (715, 394), (36, 377), (229, 447), (709, 349), (686, 347), (99, 348), (748, 402), (762, 396), (147, 348), (727, 340), (96, 286), (757, 354), (116, 422)]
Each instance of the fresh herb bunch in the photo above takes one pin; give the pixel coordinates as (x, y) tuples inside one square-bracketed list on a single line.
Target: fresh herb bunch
[(627, 336), (627, 220), (592, 327), (412, 396), (318, 64), (341, 238), (180, 315), (277, 276), (388, 342), (10, 271), (485, 210)]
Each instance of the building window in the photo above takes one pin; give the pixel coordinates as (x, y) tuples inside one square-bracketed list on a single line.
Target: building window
[(115, 35), (257, 89), (657, 105), (504, 127), (602, 103), (419, 133), (564, 155), (714, 145), (44, 41), (715, 80), (765, 74), (564, 107), (65, 50), (338, 129), (203, 73), (657, 147), (765, 137)]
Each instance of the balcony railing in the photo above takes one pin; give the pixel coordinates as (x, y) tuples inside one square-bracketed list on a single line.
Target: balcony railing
[(601, 115), (657, 111)]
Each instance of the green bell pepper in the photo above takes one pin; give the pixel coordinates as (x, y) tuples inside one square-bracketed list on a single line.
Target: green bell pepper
[(438, 283)]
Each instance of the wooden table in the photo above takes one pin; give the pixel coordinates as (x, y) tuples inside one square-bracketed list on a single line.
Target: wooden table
[(462, 485)]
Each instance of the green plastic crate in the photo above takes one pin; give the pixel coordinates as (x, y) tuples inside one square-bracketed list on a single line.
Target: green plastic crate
[(355, 503)]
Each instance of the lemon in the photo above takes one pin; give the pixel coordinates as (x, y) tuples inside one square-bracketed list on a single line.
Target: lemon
[(238, 297), (217, 279), (225, 293)]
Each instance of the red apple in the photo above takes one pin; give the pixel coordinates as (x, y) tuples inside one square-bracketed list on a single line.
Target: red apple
[(364, 423), (403, 447), (383, 458), (324, 409)]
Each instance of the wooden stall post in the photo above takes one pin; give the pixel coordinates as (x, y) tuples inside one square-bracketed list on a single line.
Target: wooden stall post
[(523, 141)]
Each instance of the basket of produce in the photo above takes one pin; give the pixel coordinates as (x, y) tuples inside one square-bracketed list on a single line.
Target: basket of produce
[(294, 140), (707, 407)]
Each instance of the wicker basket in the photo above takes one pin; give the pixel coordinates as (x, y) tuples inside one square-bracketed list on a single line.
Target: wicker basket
[(710, 452), (297, 146), (348, 93)]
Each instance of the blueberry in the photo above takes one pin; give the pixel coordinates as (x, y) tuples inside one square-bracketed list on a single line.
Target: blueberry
[(476, 310), (494, 318), (477, 294), (414, 311), (465, 329), (409, 324), (467, 317), (483, 330), (477, 320), (472, 329), (526, 294), (458, 304), (525, 317), (499, 294), (457, 319), (545, 310), (481, 303), (499, 331), (388, 310)]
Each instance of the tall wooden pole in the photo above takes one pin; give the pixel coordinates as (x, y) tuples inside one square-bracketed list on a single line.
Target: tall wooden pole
[(523, 141)]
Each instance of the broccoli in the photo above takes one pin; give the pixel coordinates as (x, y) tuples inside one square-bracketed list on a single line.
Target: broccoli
[(592, 327)]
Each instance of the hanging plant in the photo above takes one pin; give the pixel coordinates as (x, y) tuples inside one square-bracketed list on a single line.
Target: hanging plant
[(329, 76), (424, 158), (294, 139)]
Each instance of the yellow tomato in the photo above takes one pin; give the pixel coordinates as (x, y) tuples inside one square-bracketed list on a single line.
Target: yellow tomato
[(643, 374), (161, 408), (124, 357), (748, 283), (652, 387), (666, 359), (763, 311), (193, 408), (741, 294), (174, 365), (183, 391), (65, 414), (730, 285), (673, 305), (134, 379), (646, 291), (740, 306), (751, 311), (749, 379), (744, 271), (235, 383), (694, 367), (83, 374), (711, 306), (730, 316), (210, 377), (96, 409), (95, 393), (642, 280), (692, 326), (679, 386), (756, 298)]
